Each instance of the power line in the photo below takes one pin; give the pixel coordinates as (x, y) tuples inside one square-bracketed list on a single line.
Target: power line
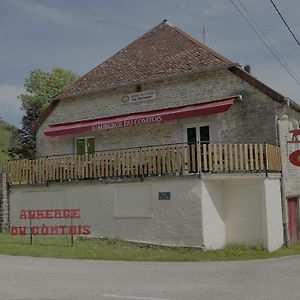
[(264, 36), (268, 44), (284, 21)]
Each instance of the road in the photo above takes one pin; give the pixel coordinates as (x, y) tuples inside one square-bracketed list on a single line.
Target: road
[(24, 278)]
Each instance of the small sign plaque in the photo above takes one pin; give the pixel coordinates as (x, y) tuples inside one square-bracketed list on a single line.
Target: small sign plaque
[(164, 196), (137, 97)]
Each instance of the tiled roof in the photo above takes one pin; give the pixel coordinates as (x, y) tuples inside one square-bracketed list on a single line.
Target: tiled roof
[(162, 51)]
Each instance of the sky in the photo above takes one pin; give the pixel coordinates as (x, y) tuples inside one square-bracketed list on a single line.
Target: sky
[(80, 34)]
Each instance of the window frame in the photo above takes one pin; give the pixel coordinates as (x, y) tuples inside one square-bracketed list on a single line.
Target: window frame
[(85, 138), (197, 126)]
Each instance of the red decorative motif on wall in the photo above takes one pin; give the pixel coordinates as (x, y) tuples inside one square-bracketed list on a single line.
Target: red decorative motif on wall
[(294, 158), (295, 133)]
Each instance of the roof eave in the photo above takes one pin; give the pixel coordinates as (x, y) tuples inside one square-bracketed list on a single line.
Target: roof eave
[(263, 87), (154, 79)]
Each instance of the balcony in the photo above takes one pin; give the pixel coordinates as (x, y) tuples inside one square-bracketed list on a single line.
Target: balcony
[(166, 160)]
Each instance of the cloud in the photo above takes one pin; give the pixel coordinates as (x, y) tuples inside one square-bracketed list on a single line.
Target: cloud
[(10, 104)]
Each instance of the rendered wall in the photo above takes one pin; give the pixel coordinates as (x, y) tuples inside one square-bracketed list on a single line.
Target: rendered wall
[(244, 211), (209, 213), (129, 211), (214, 230), (273, 225)]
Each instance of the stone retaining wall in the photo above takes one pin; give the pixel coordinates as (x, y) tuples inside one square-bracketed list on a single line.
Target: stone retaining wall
[(4, 204)]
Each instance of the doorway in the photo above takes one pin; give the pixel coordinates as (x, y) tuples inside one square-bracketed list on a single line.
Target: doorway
[(196, 134), (293, 218)]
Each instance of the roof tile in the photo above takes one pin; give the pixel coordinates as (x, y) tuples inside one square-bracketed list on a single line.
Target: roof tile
[(162, 51)]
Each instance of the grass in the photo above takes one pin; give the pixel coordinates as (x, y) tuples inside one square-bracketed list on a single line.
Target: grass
[(112, 249)]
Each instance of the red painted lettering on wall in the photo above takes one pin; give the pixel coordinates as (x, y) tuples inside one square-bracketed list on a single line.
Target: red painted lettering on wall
[(128, 123), (52, 230), (50, 214), (58, 214)]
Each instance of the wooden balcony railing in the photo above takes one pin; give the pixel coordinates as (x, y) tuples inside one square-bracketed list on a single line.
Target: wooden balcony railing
[(174, 160)]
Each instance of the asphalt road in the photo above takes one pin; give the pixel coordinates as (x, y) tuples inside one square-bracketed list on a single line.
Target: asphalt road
[(24, 278)]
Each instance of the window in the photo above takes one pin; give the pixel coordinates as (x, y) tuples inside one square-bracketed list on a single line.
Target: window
[(85, 145), (198, 134)]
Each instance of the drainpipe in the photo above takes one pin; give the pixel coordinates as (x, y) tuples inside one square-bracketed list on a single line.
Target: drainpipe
[(282, 187)]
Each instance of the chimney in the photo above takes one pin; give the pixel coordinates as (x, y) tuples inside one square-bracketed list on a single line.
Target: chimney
[(247, 68)]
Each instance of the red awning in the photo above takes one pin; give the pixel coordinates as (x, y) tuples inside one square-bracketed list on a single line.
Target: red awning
[(144, 118)]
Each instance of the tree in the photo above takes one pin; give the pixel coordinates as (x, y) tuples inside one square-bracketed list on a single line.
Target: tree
[(6, 131), (41, 87)]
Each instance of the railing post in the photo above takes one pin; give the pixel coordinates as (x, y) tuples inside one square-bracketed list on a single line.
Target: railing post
[(266, 162), (199, 157)]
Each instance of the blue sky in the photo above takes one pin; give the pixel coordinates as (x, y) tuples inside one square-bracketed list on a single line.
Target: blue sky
[(80, 34)]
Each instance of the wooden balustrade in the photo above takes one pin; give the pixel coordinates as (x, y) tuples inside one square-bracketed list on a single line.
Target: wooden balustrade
[(149, 161)]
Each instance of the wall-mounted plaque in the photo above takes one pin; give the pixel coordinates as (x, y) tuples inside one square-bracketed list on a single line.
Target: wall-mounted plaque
[(137, 97), (164, 196)]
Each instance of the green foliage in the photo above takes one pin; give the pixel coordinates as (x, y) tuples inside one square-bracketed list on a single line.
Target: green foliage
[(41, 87), (113, 249), (6, 131)]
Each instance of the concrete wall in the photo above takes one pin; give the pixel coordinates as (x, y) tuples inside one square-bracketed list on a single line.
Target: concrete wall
[(207, 213), (239, 124), (214, 229), (129, 211), (245, 211), (272, 218)]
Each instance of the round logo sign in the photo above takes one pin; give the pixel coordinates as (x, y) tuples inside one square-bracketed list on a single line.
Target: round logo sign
[(295, 158), (125, 99)]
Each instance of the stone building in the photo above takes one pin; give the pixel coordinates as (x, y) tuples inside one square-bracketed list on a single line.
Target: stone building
[(177, 144)]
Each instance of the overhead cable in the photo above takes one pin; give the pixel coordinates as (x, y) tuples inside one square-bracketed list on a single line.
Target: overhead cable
[(285, 22), (266, 41)]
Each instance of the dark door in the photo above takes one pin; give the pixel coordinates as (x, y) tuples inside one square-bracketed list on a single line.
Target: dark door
[(293, 218)]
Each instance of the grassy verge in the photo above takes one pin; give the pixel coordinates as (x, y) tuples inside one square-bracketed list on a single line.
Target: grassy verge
[(110, 249)]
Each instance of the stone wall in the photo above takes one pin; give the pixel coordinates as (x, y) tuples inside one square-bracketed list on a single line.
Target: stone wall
[(4, 204), (250, 121)]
